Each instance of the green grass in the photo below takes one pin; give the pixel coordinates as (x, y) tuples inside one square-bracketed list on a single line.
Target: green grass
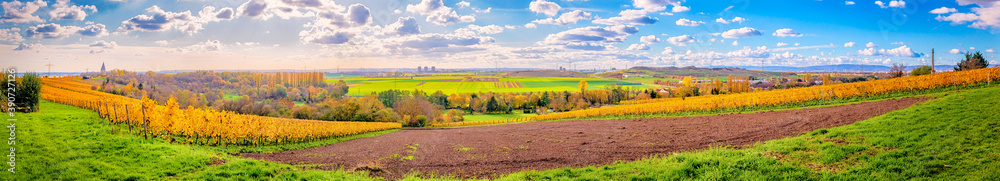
[(68, 143), (951, 138), (491, 117), (231, 96)]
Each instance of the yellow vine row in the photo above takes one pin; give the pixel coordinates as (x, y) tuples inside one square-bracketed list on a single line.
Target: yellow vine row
[(202, 126), (774, 97)]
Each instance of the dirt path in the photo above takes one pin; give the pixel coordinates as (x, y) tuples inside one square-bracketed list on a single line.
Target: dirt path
[(486, 152)]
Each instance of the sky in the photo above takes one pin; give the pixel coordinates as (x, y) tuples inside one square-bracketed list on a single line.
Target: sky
[(142, 35)]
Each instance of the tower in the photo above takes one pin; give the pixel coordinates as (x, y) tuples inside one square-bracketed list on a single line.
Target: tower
[(932, 60), (103, 71), (433, 68)]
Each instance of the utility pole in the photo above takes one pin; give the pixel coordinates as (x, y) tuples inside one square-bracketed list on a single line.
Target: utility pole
[(50, 68)]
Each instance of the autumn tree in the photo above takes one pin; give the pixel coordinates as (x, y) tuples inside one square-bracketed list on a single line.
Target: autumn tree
[(972, 61), (897, 70)]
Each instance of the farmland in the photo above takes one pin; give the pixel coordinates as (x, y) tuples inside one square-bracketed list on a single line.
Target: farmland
[(870, 148), (448, 85)]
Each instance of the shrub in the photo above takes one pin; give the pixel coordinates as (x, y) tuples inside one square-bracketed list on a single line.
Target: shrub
[(28, 91), (922, 70)]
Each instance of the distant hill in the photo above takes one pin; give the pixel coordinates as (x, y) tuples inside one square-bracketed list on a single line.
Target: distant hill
[(835, 68)]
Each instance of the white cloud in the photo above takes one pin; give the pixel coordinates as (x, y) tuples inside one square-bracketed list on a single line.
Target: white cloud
[(734, 20), (972, 48), (162, 42), (638, 47), (530, 26), (650, 39), (63, 11), (482, 11), (785, 32), (681, 40), (679, 8), (943, 10), (403, 26), (897, 43), (93, 29), (655, 5), (686, 22), (628, 17), (436, 41), (780, 44), (881, 4), (428, 7), (265, 9), (897, 4), (208, 14), (848, 2), (565, 18), (990, 50), (160, 20), (445, 19), (736, 43), (22, 12), (870, 45), (25, 46), (611, 34), (463, 4), (723, 21), (740, 33), (207, 46), (797, 44), (668, 51), (11, 35), (738, 19), (902, 51), (102, 46), (488, 29), (956, 51), (544, 7), (849, 44), (51, 31)]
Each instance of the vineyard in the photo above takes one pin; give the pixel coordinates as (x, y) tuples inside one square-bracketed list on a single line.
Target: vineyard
[(775, 97), (198, 126)]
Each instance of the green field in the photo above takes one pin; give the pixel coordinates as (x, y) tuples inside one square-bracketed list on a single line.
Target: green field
[(431, 84), (491, 117)]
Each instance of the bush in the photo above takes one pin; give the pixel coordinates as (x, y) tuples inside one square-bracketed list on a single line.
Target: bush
[(28, 92), (922, 70), (421, 120)]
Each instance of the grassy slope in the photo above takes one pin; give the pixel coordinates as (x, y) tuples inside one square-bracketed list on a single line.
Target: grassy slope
[(951, 138), (68, 143)]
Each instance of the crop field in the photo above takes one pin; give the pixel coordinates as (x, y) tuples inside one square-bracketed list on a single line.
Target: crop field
[(449, 84)]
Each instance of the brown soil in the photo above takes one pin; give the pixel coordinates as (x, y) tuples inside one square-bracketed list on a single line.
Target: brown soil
[(486, 152)]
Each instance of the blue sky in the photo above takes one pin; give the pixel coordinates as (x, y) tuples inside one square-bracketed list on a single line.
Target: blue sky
[(321, 34)]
